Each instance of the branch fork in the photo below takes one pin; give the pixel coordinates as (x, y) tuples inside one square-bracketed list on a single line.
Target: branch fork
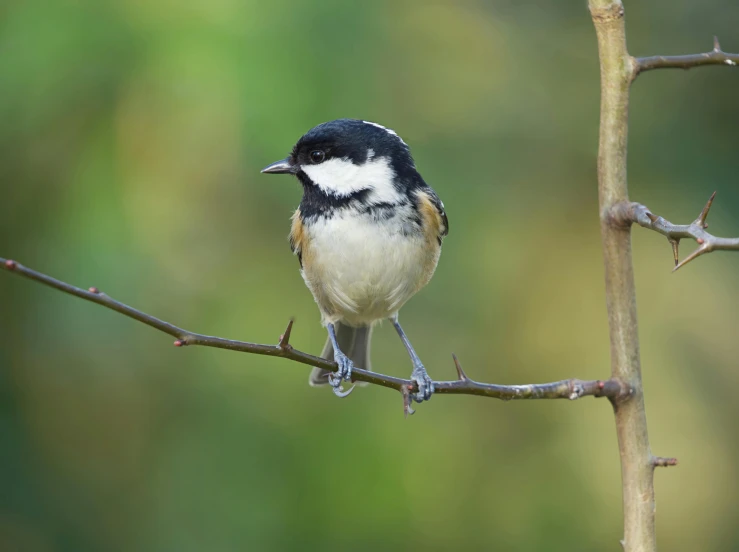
[(626, 213)]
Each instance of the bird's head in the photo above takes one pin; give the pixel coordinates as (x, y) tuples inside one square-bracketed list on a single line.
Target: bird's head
[(348, 156)]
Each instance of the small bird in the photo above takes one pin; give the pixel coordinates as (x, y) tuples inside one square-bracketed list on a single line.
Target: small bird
[(367, 234)]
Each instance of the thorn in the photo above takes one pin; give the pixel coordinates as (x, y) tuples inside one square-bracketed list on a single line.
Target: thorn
[(11, 265), (675, 247), (661, 462), (460, 373), (652, 216), (697, 253), (179, 343), (701, 220), (285, 337), (716, 45), (93, 290), (406, 392)]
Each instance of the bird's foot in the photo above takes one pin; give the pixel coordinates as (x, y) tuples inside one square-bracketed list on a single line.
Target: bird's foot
[(344, 373), (424, 382)]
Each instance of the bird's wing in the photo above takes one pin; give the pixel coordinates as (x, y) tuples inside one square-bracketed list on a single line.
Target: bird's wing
[(432, 209), (297, 236)]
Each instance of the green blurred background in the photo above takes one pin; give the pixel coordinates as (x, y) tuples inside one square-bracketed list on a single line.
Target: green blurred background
[(131, 140)]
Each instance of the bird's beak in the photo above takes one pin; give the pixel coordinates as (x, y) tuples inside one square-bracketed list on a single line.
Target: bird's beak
[(283, 166)]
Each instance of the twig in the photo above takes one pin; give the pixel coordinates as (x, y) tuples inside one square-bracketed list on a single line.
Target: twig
[(627, 213), (662, 462), (565, 389), (715, 57)]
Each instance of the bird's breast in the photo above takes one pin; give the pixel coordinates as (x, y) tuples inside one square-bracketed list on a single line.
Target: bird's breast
[(362, 266)]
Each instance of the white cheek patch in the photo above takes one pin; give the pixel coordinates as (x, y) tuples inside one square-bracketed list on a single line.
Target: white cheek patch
[(342, 178), (389, 131)]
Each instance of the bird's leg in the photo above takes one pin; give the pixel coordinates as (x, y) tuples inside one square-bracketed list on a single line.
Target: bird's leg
[(419, 374), (345, 365)]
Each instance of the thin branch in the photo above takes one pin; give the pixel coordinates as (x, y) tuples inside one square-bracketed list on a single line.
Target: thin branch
[(626, 213), (565, 389), (715, 57)]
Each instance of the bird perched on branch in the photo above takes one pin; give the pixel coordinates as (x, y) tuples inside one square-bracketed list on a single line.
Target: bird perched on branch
[(368, 236)]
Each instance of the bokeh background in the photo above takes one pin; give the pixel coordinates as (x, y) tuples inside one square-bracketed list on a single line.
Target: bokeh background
[(131, 140)]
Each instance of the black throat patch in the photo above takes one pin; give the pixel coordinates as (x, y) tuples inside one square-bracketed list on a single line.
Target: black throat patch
[(317, 203)]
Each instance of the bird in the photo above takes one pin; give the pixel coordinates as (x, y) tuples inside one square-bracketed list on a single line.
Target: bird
[(367, 233)]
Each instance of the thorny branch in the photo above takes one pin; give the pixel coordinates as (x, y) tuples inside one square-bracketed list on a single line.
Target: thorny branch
[(628, 213), (566, 389), (714, 57), (618, 70)]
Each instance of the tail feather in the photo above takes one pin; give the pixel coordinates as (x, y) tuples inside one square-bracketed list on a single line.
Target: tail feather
[(353, 342)]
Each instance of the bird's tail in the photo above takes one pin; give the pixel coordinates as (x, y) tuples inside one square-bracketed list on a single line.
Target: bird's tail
[(353, 342)]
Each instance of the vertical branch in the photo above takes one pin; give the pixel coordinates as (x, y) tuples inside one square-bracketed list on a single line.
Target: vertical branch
[(617, 71)]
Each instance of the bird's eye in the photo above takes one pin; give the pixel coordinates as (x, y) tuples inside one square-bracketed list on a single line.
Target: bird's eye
[(317, 156)]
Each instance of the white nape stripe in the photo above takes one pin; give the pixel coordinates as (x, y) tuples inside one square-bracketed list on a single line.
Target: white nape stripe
[(389, 131), (341, 178)]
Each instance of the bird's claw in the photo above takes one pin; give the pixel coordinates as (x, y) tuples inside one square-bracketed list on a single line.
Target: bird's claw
[(344, 373), (339, 391), (424, 382)]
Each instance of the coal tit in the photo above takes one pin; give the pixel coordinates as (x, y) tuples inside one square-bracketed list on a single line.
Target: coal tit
[(367, 234)]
